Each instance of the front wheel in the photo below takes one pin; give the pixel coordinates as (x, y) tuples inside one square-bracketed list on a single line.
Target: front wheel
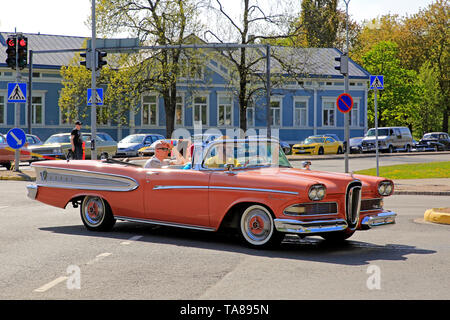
[(96, 214), (257, 228)]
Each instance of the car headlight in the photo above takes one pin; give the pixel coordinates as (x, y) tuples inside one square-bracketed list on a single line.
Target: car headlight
[(385, 188), (317, 192)]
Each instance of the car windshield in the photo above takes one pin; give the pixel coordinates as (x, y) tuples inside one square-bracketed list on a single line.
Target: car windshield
[(381, 132), (430, 136), (58, 139), (245, 154), (314, 140), (135, 138)]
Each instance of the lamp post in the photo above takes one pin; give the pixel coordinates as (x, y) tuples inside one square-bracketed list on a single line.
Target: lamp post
[(346, 89)]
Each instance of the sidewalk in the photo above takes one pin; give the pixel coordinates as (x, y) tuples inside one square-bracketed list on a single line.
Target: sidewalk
[(439, 187)]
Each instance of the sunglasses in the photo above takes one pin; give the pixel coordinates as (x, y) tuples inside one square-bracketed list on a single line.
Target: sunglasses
[(164, 149)]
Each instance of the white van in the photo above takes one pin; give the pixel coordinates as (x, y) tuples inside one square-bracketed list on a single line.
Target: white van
[(390, 139)]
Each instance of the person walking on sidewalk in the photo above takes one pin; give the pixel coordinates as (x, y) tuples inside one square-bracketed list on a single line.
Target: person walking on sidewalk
[(76, 141)]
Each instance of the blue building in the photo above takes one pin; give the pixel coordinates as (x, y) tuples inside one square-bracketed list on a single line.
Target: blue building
[(300, 106)]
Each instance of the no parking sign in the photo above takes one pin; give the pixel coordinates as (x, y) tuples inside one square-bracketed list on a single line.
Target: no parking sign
[(344, 102)]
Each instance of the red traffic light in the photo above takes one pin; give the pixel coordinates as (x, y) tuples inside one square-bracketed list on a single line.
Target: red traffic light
[(11, 42), (22, 42)]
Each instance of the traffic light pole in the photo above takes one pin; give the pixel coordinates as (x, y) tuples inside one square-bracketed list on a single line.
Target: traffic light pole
[(346, 90), (17, 107), (94, 90)]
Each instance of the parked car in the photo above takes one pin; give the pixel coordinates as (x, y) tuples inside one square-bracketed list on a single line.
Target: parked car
[(129, 146), (434, 141), (262, 198), (58, 146), (33, 140), (7, 156), (318, 145), (355, 144), (334, 136), (390, 139)]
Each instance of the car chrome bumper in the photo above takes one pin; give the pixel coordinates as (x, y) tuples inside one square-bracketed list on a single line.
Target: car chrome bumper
[(319, 226), (380, 219), (314, 226), (32, 191)]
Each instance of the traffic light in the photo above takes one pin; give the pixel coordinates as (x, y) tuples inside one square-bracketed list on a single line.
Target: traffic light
[(88, 59), (22, 51), (100, 61), (343, 64), (11, 52)]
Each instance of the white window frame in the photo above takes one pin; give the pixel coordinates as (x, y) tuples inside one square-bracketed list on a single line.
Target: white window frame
[(181, 104), (230, 105), (300, 99), (36, 94), (149, 104), (352, 112), (5, 105), (251, 106), (280, 101), (333, 102), (206, 104)]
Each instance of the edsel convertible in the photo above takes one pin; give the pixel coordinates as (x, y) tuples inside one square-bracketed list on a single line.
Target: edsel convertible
[(244, 185)]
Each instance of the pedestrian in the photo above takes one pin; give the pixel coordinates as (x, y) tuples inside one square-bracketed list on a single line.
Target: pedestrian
[(76, 141)]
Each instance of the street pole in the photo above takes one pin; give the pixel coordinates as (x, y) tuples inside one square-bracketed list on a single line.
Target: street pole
[(93, 86), (376, 131), (269, 115), (346, 90), (17, 107)]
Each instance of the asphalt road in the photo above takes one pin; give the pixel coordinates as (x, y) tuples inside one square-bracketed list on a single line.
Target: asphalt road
[(46, 253)]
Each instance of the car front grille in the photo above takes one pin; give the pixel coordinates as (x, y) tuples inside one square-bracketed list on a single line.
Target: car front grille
[(353, 203)]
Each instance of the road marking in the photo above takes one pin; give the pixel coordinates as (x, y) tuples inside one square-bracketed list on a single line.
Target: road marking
[(99, 257), (135, 238), (51, 284), (3, 207)]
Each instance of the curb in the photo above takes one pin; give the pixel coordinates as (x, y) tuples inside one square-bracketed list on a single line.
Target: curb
[(423, 193), (438, 215)]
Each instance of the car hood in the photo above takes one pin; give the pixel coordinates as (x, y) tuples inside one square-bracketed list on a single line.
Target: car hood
[(48, 146), (308, 145)]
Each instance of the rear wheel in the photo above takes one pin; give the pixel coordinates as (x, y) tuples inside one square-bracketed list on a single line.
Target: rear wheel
[(339, 150), (96, 214), (320, 150), (257, 228)]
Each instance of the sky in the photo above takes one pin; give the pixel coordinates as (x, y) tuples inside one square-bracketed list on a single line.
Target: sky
[(68, 17)]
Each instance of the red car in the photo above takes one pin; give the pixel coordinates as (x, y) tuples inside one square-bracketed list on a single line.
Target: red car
[(7, 156), (246, 185)]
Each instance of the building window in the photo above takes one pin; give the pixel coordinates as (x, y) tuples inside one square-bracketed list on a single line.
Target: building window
[(2, 110), (328, 116), (179, 111), (37, 110), (224, 111), (250, 116), (353, 115), (201, 110), (300, 114), (275, 109), (149, 110), (102, 115), (191, 69)]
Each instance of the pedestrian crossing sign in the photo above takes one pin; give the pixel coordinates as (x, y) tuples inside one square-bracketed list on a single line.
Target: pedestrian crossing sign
[(377, 82), (17, 92), (98, 97)]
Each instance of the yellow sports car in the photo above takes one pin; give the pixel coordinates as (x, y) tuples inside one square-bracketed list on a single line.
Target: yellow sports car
[(318, 145)]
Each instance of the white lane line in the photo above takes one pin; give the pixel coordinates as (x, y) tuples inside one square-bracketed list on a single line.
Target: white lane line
[(135, 238), (3, 207), (99, 257), (51, 284)]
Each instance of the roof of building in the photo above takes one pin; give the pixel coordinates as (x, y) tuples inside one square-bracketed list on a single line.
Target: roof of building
[(308, 62)]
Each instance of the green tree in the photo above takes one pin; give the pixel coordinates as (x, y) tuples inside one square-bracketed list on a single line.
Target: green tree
[(396, 103)]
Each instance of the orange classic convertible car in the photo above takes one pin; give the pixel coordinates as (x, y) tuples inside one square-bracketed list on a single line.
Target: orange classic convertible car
[(246, 185)]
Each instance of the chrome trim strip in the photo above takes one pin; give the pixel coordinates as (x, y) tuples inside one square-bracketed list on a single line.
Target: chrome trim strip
[(308, 227), (255, 189), (164, 223), (32, 191), (224, 188), (48, 176), (380, 219)]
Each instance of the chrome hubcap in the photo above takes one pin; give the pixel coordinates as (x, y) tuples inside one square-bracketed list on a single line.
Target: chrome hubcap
[(93, 210), (256, 225)]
